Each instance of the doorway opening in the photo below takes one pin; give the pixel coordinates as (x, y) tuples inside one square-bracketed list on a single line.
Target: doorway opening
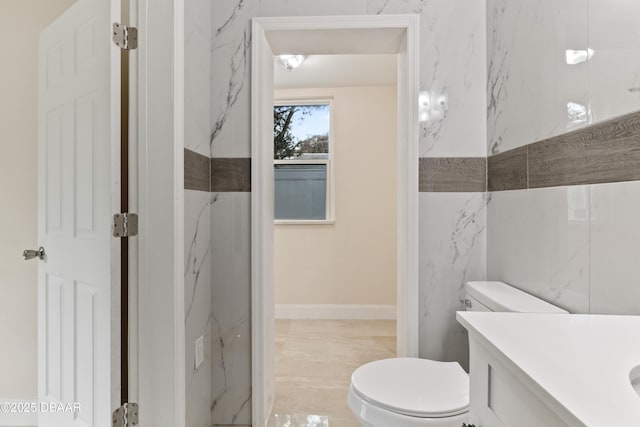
[(335, 230), (372, 35)]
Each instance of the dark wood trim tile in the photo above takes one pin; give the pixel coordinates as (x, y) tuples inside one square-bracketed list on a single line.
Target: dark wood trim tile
[(230, 174), (604, 152), (508, 170), (453, 174), (197, 171)]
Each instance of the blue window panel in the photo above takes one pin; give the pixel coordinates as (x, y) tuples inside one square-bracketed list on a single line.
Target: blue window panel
[(300, 191)]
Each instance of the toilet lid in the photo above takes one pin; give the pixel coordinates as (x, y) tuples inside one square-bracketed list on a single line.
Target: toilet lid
[(416, 387)]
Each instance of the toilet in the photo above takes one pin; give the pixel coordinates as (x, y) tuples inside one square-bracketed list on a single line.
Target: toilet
[(412, 392)]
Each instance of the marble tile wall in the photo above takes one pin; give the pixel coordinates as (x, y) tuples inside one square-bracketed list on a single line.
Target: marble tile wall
[(231, 309), (556, 66), (452, 80), (198, 319), (197, 214), (571, 245), (538, 240), (452, 245)]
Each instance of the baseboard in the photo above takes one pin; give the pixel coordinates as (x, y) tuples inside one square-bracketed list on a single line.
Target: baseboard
[(18, 419), (336, 311)]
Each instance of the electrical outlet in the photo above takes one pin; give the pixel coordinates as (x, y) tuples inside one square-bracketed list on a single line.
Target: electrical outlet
[(199, 351)]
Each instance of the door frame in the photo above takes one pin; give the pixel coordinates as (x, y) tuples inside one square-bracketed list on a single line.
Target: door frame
[(264, 31), (157, 360)]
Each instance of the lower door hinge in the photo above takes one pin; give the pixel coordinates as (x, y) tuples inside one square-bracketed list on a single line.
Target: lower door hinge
[(125, 225), (126, 38), (126, 415)]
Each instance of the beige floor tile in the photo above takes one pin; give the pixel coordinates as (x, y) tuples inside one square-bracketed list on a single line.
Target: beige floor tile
[(314, 363)]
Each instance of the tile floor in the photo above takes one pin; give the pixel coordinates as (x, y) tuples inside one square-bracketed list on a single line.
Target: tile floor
[(314, 362)]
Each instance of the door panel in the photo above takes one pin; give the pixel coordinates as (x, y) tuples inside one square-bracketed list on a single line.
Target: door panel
[(78, 129), (53, 352)]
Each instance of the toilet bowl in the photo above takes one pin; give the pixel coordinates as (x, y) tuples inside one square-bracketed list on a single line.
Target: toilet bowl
[(412, 392)]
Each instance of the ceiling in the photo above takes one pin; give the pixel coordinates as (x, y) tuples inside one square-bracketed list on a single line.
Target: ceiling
[(338, 71), (333, 41)]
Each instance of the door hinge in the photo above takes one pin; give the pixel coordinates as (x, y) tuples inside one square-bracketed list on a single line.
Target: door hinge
[(126, 415), (126, 38), (125, 225)]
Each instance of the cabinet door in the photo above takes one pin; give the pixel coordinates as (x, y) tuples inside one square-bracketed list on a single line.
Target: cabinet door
[(499, 399)]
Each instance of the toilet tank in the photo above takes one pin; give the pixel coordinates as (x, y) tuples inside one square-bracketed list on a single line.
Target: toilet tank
[(498, 296)]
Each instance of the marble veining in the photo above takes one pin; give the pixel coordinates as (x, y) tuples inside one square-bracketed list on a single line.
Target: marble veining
[(239, 71), (231, 309), (197, 210), (452, 242), (196, 258), (452, 74), (197, 279), (230, 68), (538, 241), (232, 17), (197, 85), (219, 339), (497, 72)]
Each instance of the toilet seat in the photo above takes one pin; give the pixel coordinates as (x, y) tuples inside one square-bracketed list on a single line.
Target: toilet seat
[(414, 387)]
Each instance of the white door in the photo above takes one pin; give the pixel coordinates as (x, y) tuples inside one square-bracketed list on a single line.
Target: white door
[(78, 140)]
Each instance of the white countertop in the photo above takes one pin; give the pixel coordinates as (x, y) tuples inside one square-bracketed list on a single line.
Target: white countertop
[(582, 362)]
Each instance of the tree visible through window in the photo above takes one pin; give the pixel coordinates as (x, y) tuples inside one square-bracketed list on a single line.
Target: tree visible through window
[(301, 160)]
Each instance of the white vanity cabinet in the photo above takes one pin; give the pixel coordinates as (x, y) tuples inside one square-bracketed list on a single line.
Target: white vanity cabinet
[(553, 370), (499, 398)]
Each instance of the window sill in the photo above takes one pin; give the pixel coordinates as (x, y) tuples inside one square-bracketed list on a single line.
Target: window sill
[(304, 222)]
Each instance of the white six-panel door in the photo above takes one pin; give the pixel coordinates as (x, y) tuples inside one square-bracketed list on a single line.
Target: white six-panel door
[(78, 119)]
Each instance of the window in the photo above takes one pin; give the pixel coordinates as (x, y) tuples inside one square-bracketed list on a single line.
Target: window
[(302, 161)]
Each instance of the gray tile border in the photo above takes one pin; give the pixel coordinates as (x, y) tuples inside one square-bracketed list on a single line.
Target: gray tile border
[(218, 174), (508, 170), (601, 153), (604, 152), (230, 174), (453, 174), (197, 171)]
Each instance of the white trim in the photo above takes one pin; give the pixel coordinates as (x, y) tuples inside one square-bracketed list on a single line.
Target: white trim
[(407, 178), (261, 219), (161, 367), (304, 221), (178, 214), (19, 419), (302, 161), (116, 194), (336, 311), (314, 100), (408, 193), (134, 191)]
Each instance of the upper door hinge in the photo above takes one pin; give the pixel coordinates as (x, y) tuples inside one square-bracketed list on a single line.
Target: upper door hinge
[(126, 415), (125, 225), (126, 38)]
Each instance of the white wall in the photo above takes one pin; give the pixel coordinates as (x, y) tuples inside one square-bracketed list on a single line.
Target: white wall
[(352, 261), (20, 24), (574, 246)]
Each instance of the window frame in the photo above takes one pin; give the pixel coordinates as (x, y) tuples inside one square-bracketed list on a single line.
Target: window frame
[(329, 162)]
